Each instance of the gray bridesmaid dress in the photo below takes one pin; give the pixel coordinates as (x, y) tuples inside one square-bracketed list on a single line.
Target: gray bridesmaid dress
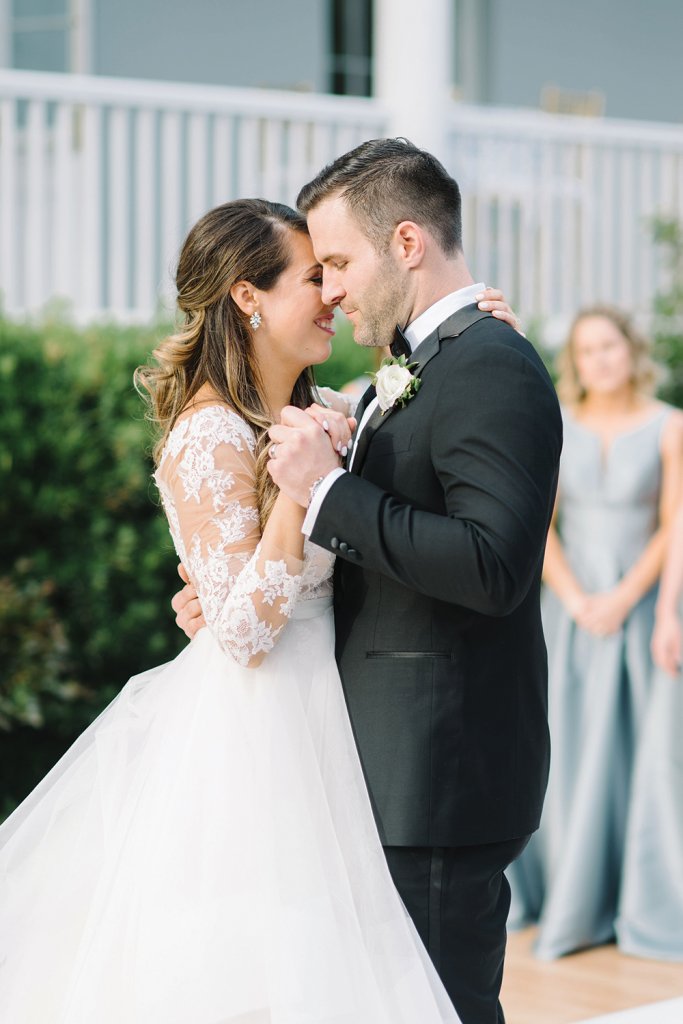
[(650, 921), (568, 878)]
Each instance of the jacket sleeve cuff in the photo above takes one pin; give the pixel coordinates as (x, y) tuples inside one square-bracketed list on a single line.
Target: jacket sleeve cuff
[(318, 498)]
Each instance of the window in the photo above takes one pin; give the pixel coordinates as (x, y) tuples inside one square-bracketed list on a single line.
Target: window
[(351, 64), (46, 35)]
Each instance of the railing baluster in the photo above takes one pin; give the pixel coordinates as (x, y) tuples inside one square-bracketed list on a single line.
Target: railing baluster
[(273, 161), (297, 170), (118, 213), (197, 170), (646, 211), (223, 186), (35, 252), (92, 237), (170, 214), (565, 268), (9, 235), (62, 250), (248, 157), (609, 227), (546, 297), (323, 150), (631, 237), (587, 244), (145, 266)]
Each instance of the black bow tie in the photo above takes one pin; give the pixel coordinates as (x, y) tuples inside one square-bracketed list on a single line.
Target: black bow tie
[(400, 346)]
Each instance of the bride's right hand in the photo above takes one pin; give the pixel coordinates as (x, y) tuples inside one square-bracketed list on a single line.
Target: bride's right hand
[(185, 604)]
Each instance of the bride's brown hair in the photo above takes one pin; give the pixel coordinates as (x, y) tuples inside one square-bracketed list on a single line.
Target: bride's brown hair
[(243, 240)]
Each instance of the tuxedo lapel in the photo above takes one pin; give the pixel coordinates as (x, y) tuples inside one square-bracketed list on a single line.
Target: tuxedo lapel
[(364, 402), (360, 440), (376, 420), (453, 326)]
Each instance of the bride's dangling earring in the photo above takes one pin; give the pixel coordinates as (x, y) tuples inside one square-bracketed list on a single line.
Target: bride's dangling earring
[(255, 319)]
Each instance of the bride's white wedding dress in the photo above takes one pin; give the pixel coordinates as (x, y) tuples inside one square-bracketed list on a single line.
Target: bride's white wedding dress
[(206, 853)]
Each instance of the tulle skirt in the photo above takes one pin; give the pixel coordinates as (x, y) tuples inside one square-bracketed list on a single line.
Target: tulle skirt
[(206, 853)]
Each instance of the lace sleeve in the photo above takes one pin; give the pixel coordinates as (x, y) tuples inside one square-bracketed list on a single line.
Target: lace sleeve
[(344, 403), (206, 478)]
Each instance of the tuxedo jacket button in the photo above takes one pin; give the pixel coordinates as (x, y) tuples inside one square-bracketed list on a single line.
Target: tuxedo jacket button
[(352, 553), (343, 547), (334, 543)]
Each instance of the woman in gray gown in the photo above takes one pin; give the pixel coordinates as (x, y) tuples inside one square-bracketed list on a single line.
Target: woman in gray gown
[(619, 483), (650, 921)]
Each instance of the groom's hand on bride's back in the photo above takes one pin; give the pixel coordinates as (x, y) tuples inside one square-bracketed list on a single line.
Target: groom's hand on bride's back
[(185, 604)]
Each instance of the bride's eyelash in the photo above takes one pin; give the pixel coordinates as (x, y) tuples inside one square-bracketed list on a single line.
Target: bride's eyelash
[(318, 279)]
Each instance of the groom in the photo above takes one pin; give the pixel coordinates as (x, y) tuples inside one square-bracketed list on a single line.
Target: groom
[(439, 525)]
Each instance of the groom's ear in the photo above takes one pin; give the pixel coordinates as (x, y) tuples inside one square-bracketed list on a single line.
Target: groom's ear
[(410, 242)]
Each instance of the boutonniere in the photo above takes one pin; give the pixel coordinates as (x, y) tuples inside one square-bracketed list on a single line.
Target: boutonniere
[(394, 383)]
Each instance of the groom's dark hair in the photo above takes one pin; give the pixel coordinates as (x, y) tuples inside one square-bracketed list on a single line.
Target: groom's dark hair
[(386, 181)]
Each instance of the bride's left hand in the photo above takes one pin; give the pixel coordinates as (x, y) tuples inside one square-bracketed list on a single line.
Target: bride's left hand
[(493, 300), (338, 427)]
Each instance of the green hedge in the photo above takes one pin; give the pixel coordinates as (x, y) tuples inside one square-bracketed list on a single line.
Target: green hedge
[(668, 310), (86, 561), (87, 566)]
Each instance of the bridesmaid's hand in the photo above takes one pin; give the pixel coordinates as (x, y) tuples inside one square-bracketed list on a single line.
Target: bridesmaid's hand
[(185, 604), (493, 300), (603, 614), (667, 644)]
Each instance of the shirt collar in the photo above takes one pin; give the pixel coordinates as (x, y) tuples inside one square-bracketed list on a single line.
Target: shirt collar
[(427, 322)]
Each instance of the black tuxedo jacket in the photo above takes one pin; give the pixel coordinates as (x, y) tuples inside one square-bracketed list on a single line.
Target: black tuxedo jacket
[(440, 531)]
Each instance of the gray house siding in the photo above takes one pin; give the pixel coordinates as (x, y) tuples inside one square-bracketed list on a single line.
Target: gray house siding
[(217, 42), (630, 50), (505, 51)]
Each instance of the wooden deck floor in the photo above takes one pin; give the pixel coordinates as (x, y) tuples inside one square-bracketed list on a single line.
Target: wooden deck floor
[(583, 985)]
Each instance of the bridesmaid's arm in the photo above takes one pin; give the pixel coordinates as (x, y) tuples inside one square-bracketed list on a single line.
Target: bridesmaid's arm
[(644, 573), (557, 573), (667, 640)]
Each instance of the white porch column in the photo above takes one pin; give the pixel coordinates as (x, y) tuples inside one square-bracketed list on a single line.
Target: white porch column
[(80, 12), (413, 63)]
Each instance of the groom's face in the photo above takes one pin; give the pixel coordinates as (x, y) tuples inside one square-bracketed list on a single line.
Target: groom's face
[(366, 284)]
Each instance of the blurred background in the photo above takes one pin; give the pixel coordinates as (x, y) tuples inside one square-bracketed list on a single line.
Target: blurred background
[(121, 123)]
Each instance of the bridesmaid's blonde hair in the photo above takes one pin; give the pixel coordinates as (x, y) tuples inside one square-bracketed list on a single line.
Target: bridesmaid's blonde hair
[(646, 373), (243, 240)]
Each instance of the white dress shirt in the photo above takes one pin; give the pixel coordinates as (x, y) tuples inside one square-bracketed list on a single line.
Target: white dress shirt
[(416, 332)]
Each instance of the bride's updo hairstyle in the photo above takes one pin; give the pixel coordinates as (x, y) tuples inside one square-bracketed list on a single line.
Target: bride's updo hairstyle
[(243, 240)]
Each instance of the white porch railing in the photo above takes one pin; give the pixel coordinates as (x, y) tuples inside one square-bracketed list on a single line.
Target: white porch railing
[(559, 210), (100, 179)]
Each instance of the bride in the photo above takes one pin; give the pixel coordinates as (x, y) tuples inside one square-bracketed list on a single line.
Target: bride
[(206, 852)]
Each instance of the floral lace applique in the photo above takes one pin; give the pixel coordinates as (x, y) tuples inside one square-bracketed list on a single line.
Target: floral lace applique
[(206, 478)]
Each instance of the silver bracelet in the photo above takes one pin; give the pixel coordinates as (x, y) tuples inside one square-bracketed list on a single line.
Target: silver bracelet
[(313, 488)]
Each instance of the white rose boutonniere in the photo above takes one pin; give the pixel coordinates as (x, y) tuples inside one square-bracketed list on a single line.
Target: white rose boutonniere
[(394, 383)]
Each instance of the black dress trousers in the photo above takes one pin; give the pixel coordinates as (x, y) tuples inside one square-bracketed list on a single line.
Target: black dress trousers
[(459, 898)]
